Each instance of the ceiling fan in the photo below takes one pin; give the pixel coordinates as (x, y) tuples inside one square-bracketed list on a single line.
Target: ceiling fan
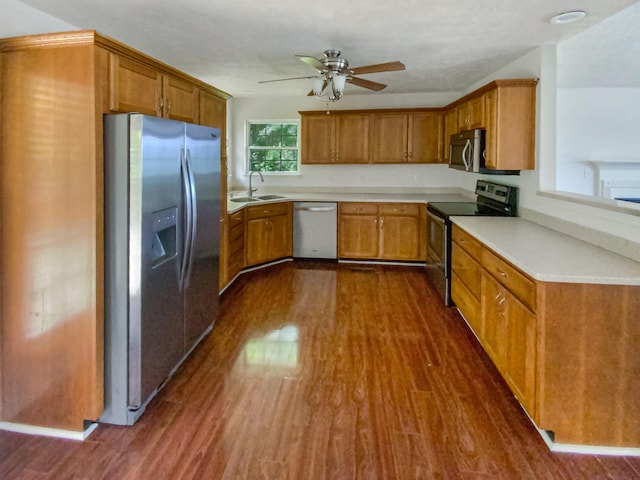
[(334, 72)]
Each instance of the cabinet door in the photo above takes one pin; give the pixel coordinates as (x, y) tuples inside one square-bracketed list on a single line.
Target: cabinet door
[(318, 139), (491, 139), (352, 138), (494, 315), (450, 127), (399, 237), (520, 353), (471, 114), (258, 239), (510, 112), (134, 87), (390, 135), (280, 237), (213, 111), (180, 99), (425, 138), (358, 236)]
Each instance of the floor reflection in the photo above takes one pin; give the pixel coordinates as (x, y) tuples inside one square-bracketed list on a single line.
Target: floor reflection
[(278, 348)]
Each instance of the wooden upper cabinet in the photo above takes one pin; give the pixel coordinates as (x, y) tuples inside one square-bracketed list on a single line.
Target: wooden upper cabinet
[(471, 114), (390, 138), (213, 111), (407, 137), (317, 139), (180, 100), (425, 137), (510, 112), (450, 128), (138, 87), (134, 87), (352, 138), (335, 138)]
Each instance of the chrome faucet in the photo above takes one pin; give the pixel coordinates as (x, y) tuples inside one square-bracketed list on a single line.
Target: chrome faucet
[(251, 190)]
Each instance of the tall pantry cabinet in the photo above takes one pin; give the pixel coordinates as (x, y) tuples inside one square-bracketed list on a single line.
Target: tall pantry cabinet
[(54, 90)]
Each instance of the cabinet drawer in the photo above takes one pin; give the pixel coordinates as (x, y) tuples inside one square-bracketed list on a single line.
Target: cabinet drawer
[(359, 208), (467, 242), (236, 249), (466, 268), (468, 305), (270, 210), (512, 279), (236, 218), (412, 209), (236, 233)]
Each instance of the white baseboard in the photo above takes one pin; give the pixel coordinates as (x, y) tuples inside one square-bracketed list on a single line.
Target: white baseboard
[(588, 449), (48, 432)]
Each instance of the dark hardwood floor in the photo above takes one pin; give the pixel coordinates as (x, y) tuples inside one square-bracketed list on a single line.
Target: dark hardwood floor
[(314, 371)]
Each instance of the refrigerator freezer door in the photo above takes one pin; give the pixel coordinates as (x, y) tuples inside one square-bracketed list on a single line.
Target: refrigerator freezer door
[(155, 301), (202, 146)]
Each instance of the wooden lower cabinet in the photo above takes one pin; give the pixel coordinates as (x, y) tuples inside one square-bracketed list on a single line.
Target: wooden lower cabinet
[(236, 244), (568, 351), (519, 356), (268, 233), (386, 231), (358, 230)]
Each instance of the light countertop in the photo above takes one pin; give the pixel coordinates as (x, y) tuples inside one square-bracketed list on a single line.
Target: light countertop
[(346, 196), (548, 255)]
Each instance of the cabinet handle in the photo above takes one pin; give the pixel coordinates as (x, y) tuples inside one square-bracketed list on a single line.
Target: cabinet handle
[(161, 106), (503, 274), (168, 105), (381, 223)]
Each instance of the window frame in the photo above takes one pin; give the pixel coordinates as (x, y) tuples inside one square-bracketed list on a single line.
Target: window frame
[(247, 149)]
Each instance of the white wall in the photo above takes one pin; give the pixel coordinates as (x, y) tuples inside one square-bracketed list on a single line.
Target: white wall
[(595, 124), (20, 19)]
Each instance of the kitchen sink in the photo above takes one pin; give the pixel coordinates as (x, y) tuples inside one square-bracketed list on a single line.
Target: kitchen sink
[(269, 197), (245, 199)]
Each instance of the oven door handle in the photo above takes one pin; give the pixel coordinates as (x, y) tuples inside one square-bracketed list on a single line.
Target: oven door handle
[(436, 218)]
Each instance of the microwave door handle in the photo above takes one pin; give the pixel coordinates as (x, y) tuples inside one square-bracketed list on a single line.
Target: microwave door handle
[(467, 146)]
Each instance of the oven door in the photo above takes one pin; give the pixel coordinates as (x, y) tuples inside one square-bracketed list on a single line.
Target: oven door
[(437, 241), (437, 251)]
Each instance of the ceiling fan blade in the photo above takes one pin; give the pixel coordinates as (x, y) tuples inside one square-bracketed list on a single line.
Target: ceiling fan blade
[(285, 79), (313, 61), (361, 82), (381, 67)]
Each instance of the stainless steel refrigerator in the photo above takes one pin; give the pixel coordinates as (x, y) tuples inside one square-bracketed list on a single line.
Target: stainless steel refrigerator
[(162, 217)]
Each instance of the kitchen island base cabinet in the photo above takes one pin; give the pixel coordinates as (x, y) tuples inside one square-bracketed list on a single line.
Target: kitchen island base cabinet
[(568, 351)]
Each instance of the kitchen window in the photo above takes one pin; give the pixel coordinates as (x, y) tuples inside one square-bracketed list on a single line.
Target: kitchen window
[(273, 146)]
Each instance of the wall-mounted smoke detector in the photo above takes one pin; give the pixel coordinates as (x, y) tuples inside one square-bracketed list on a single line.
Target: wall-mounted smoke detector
[(568, 17)]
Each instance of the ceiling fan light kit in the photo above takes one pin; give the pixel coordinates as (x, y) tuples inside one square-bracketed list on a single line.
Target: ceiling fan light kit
[(334, 73)]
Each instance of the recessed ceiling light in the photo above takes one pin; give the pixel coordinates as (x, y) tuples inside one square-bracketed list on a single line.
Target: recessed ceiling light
[(568, 17)]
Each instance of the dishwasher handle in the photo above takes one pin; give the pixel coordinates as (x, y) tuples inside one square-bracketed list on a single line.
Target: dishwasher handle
[(315, 209)]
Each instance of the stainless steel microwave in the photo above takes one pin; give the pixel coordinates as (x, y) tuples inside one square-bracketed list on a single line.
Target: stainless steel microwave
[(467, 153)]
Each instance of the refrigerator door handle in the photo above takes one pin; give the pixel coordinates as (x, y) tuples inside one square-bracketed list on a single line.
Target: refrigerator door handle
[(188, 231), (194, 218)]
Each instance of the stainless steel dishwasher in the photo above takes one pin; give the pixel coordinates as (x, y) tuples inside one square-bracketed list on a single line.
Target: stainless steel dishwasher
[(315, 229)]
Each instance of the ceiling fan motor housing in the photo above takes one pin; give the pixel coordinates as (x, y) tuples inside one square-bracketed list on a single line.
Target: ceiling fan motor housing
[(333, 61)]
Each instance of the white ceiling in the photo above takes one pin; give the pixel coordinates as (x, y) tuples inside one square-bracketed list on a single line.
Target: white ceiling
[(445, 45)]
